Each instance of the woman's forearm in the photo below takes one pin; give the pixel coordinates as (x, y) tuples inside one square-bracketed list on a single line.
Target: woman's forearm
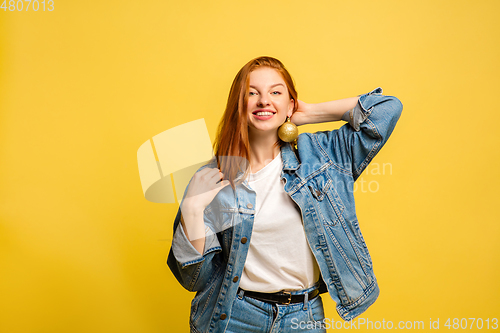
[(202, 189), (329, 111), (194, 228)]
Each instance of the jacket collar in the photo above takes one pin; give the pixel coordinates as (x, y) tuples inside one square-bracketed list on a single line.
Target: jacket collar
[(290, 160)]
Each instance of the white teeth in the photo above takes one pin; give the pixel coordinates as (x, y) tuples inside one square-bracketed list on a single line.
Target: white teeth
[(264, 113)]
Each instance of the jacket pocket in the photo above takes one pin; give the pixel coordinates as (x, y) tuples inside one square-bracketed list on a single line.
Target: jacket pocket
[(326, 200)]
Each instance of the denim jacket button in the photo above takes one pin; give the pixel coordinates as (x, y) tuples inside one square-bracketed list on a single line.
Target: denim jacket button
[(235, 279), (223, 316), (249, 206), (243, 240)]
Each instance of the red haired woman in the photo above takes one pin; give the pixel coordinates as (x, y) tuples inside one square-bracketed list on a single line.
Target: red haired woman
[(269, 224)]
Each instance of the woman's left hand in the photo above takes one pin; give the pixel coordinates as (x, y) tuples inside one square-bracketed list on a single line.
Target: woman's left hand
[(302, 115)]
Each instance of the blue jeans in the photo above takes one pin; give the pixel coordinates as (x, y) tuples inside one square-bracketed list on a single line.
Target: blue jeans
[(251, 315)]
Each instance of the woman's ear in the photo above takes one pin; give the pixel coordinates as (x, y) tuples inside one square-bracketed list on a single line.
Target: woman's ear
[(291, 107)]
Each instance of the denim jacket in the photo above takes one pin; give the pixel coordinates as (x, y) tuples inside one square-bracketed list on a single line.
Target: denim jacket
[(319, 176)]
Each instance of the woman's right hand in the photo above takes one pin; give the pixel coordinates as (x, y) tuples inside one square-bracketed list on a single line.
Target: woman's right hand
[(203, 188)]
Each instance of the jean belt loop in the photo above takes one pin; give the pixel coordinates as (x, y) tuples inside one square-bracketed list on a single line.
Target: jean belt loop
[(306, 300), (240, 294)]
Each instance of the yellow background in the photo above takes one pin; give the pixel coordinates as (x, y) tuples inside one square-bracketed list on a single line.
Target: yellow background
[(82, 87)]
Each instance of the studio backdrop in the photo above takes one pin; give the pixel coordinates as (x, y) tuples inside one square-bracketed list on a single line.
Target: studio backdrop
[(85, 84)]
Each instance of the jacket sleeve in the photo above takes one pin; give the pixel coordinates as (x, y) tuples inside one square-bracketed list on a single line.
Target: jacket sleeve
[(190, 268), (370, 123)]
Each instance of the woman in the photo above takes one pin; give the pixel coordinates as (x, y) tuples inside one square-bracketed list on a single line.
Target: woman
[(267, 226)]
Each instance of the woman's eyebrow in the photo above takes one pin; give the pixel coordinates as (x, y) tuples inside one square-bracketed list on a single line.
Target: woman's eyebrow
[(274, 85)]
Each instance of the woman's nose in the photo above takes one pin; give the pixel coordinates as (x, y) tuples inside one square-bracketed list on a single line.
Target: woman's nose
[(263, 100)]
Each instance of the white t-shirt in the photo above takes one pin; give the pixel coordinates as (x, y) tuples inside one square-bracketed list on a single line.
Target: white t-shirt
[(279, 257)]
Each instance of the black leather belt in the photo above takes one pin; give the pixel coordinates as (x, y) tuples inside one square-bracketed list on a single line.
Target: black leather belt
[(282, 297)]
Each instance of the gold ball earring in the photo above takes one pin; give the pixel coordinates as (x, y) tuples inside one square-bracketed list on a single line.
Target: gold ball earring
[(288, 132)]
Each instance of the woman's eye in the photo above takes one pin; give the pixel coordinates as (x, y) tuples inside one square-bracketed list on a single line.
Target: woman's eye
[(276, 93), (251, 93)]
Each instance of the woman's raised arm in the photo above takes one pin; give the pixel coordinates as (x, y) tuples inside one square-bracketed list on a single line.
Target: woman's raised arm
[(371, 119), (201, 191), (322, 112), (195, 244)]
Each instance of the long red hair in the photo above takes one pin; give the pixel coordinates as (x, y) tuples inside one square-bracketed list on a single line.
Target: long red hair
[(232, 146)]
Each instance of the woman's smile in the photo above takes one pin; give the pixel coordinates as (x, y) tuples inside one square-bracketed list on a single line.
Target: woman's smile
[(263, 114)]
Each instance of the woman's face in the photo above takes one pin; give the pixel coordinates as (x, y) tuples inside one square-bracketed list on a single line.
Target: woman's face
[(269, 102)]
